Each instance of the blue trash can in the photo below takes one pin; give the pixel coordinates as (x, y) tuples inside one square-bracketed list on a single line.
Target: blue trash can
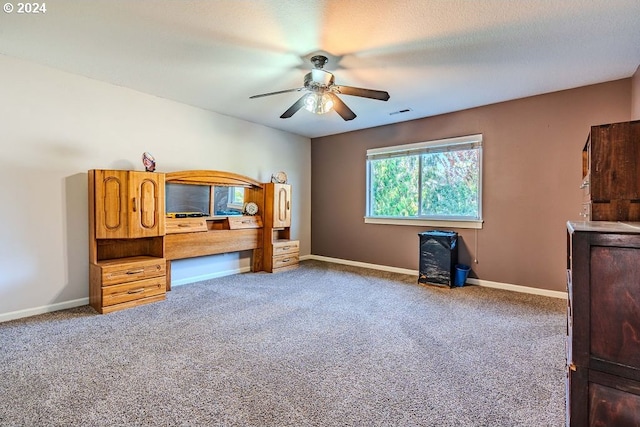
[(462, 272)]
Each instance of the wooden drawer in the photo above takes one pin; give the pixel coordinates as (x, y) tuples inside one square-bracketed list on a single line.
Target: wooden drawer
[(245, 221), (281, 247), (613, 401), (185, 225), (140, 289), (598, 399), (130, 269), (286, 260)]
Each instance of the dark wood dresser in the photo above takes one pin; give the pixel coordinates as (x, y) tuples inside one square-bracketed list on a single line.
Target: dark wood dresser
[(603, 324)]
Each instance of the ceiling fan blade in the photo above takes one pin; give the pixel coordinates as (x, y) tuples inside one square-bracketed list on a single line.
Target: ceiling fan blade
[(365, 93), (295, 107), (277, 93), (341, 108)]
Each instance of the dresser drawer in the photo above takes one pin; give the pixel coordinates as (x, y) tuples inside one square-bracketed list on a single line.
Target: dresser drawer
[(131, 291), (185, 225), (245, 221), (131, 269), (286, 260), (281, 247)]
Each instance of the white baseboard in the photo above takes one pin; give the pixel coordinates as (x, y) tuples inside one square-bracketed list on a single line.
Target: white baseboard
[(519, 288), (485, 283), (4, 317), (362, 264)]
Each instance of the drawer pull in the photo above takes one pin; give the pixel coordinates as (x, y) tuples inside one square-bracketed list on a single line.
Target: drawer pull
[(183, 225), (284, 248), (286, 260), (136, 291), (135, 271)]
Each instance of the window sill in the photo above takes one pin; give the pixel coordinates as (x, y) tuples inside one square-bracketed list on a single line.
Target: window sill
[(475, 224)]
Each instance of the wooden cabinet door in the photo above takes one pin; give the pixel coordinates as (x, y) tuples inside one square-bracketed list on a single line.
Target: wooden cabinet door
[(111, 204), (128, 204), (609, 406), (147, 216), (615, 306), (281, 205)]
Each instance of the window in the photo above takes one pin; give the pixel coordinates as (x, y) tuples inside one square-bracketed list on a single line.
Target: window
[(435, 181)]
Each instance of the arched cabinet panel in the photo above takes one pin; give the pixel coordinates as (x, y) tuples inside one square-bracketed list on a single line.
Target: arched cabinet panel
[(148, 207), (112, 209), (111, 204), (282, 205)]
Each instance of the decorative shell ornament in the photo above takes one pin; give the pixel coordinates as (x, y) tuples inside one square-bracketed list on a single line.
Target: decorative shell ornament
[(279, 177), (149, 162)]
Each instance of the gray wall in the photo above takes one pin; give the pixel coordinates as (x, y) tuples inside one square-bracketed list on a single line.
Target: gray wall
[(532, 173)]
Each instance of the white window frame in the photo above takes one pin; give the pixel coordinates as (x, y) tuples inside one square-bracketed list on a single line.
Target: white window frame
[(472, 141)]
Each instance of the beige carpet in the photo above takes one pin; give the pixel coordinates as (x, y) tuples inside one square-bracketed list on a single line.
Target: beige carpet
[(323, 345)]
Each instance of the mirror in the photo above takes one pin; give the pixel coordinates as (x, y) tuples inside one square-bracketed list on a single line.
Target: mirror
[(228, 200), (188, 198), (185, 198)]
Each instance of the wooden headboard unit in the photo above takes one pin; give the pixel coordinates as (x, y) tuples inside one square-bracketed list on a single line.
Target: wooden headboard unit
[(194, 237), (207, 177)]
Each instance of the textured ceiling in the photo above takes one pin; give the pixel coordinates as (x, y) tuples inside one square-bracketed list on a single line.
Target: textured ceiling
[(431, 56)]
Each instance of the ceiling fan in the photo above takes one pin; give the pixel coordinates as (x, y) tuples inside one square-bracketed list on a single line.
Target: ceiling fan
[(322, 93)]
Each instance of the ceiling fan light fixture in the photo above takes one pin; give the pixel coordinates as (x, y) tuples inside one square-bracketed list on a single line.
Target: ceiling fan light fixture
[(318, 103), (323, 93), (321, 77)]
